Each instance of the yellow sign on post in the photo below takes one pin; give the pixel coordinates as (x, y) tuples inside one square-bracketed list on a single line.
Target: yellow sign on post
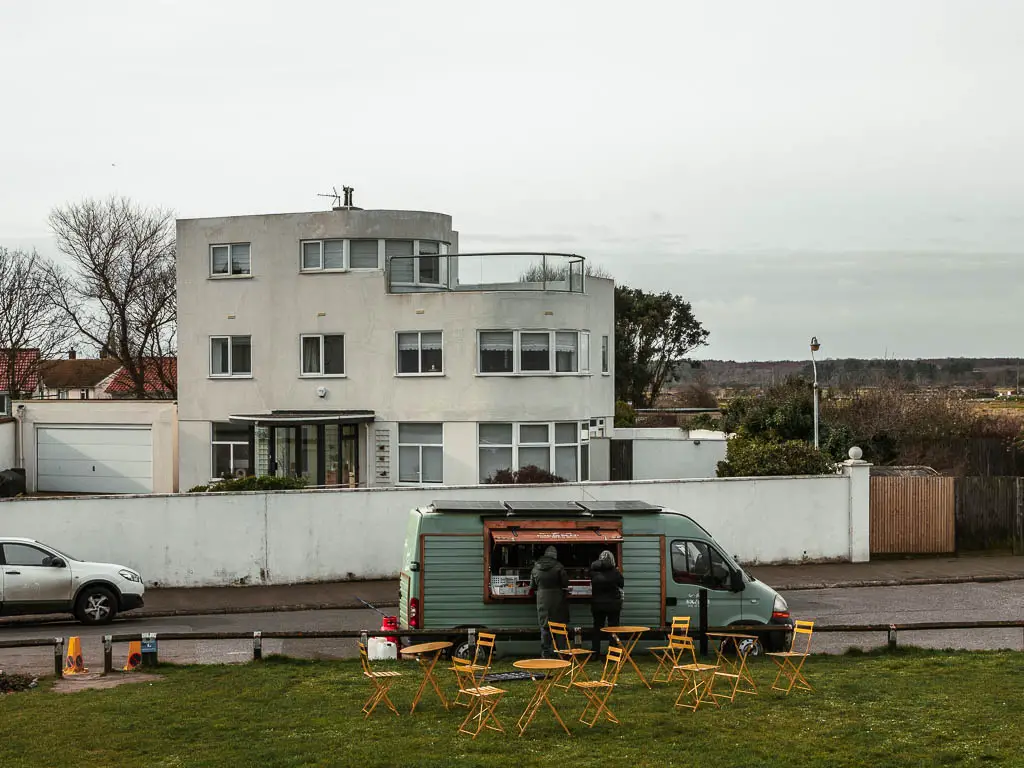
[(74, 664)]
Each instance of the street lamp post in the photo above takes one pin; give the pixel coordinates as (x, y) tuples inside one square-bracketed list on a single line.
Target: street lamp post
[(815, 346)]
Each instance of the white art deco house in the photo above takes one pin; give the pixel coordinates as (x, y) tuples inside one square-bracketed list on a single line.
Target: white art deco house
[(360, 348)]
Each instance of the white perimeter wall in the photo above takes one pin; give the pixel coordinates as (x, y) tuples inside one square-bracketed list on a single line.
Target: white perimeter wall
[(8, 452), (287, 537)]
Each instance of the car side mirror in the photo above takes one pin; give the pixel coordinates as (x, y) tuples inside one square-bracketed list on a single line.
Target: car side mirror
[(57, 563), (736, 581)]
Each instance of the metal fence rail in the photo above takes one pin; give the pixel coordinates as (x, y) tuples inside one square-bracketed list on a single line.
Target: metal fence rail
[(257, 637)]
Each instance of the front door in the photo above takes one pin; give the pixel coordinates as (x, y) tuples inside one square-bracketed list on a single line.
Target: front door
[(29, 576), (698, 565)]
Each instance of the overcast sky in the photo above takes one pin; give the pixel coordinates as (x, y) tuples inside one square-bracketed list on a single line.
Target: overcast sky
[(853, 170)]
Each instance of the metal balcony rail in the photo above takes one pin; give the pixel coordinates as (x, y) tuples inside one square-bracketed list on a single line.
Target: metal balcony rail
[(503, 633), (497, 271)]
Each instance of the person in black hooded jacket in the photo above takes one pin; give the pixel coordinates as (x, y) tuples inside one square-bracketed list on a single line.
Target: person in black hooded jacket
[(606, 585)]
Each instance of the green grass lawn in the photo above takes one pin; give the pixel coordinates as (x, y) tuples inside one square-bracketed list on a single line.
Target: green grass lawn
[(907, 708)]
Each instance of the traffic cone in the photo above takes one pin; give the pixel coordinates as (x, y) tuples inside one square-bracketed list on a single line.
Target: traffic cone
[(73, 662), (134, 656)]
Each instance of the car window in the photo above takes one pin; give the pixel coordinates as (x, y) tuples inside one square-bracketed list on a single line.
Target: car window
[(25, 555), (696, 562)]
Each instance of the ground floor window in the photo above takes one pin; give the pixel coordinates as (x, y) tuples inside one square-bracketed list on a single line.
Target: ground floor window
[(322, 454), (421, 453), (230, 450), (560, 447)]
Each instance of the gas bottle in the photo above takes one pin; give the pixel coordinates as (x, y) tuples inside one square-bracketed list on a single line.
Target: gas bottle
[(390, 623)]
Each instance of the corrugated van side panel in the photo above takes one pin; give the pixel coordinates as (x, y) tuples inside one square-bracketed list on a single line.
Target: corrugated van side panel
[(641, 570), (453, 572)]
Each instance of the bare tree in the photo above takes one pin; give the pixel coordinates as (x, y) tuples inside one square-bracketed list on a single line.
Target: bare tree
[(120, 289), (28, 321)]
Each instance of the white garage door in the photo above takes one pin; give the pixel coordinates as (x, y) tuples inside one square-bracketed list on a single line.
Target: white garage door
[(94, 459)]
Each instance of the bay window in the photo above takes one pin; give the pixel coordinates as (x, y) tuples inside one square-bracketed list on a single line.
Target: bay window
[(533, 352)]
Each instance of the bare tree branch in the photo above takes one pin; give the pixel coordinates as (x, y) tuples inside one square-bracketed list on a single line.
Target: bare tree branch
[(28, 320), (119, 290)]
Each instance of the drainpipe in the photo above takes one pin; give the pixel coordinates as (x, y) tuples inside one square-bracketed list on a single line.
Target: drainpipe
[(19, 438)]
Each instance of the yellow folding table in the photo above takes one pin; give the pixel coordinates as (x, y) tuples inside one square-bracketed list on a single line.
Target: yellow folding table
[(427, 655), (627, 638), (547, 678)]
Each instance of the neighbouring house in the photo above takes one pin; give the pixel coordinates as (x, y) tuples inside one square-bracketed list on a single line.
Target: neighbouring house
[(160, 380), (76, 378), (360, 348), (19, 376)]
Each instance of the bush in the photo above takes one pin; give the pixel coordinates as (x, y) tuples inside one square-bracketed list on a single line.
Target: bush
[(758, 457), (625, 415), (524, 476), (252, 483), (12, 682)]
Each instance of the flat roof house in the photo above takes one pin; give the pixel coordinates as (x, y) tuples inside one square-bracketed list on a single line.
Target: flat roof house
[(360, 348)]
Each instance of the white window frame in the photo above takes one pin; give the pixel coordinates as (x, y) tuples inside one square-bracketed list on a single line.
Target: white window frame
[(605, 356), (322, 375), (346, 258), (582, 432), (419, 349), (442, 264), (232, 443), (231, 262), (5, 404), (231, 354), (582, 365), (420, 446)]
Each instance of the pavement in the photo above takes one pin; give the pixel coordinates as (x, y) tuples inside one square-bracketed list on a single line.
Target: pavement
[(383, 594)]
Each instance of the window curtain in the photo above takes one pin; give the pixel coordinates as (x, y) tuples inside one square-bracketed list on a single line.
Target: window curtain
[(311, 354), (408, 342), (534, 342), (496, 341), (240, 259)]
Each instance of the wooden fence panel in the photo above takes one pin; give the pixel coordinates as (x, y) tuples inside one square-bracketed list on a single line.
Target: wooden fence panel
[(986, 513), (913, 515)]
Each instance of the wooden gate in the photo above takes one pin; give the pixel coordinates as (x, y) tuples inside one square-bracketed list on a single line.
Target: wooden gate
[(913, 515), (621, 467)]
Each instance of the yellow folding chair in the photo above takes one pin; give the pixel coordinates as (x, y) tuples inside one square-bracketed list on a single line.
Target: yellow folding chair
[(477, 669), (668, 655), (698, 678), (599, 691), (577, 657), (381, 682), (791, 662), (482, 700)]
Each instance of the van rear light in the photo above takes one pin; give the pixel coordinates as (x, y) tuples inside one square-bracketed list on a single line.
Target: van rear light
[(780, 615), (414, 613)]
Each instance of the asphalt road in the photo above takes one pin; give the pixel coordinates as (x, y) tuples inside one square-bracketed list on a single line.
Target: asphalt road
[(869, 605)]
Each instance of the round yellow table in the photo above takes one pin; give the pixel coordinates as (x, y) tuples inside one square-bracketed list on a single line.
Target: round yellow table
[(543, 682), (432, 652), (627, 638)]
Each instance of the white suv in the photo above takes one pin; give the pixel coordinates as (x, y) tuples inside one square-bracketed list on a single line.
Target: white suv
[(38, 579)]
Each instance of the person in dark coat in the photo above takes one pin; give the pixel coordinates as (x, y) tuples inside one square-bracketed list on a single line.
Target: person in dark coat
[(606, 585), (550, 582)]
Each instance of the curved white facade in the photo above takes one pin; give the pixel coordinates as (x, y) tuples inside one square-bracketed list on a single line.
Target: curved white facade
[(325, 341)]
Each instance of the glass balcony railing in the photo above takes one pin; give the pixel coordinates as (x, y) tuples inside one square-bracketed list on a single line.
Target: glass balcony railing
[(486, 272)]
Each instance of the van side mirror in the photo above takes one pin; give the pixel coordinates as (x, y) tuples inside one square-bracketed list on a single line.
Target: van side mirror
[(57, 562), (414, 566), (736, 581)]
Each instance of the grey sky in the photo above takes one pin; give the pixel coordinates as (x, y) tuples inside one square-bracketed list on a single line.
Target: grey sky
[(853, 170)]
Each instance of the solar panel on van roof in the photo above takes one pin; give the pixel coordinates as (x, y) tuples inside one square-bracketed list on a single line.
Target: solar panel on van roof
[(618, 506), (542, 506), (467, 506)]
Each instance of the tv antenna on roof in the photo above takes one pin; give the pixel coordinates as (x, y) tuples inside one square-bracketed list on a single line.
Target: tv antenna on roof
[(338, 204)]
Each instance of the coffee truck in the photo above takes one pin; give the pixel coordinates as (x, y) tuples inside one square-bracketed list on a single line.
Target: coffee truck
[(468, 563)]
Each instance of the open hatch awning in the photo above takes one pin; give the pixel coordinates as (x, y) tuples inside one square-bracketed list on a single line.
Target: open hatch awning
[(570, 536)]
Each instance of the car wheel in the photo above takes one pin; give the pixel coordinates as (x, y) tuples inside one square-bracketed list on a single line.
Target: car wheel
[(96, 605)]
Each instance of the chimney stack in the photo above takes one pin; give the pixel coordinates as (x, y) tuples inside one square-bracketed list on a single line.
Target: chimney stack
[(72, 355)]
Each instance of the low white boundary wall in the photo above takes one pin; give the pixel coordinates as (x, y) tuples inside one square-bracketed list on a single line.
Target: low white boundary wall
[(294, 536)]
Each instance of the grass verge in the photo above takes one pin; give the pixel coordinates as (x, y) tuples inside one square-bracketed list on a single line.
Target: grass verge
[(907, 708)]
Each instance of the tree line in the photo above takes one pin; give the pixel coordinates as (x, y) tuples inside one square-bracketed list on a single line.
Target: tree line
[(114, 289)]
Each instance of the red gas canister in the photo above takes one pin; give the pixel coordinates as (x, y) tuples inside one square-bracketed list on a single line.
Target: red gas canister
[(390, 622)]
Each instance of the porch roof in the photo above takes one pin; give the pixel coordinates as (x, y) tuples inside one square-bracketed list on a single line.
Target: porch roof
[(297, 418)]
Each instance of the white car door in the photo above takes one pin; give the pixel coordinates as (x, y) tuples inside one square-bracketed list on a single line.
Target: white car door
[(30, 577)]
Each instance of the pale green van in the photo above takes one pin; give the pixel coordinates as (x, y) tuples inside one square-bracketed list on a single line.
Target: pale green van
[(467, 564)]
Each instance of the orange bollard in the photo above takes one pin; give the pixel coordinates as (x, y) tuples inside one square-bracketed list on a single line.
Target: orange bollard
[(74, 664), (134, 656)]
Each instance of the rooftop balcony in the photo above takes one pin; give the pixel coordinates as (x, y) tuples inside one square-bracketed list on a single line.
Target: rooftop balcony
[(499, 271)]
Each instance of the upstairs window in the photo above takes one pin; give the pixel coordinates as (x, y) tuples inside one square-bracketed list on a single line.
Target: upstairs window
[(230, 356), (323, 355), (419, 352), (323, 254), (230, 260), (533, 352), (415, 262)]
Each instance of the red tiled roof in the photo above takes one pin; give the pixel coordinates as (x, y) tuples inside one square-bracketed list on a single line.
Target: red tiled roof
[(26, 370), (81, 372), (122, 382)]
